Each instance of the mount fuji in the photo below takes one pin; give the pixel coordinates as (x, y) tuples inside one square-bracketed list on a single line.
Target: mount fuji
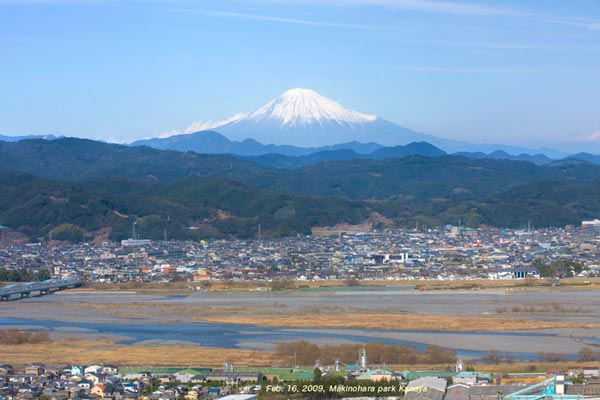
[(304, 118)]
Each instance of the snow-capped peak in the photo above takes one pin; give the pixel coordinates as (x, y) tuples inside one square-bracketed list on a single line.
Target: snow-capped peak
[(299, 117), (298, 107)]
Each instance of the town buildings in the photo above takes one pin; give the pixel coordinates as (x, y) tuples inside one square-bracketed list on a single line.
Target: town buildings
[(447, 253)]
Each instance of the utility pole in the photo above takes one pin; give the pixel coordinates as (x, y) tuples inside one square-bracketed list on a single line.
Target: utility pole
[(165, 231)]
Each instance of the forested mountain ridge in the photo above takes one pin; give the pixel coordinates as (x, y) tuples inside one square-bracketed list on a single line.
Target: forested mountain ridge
[(102, 188)]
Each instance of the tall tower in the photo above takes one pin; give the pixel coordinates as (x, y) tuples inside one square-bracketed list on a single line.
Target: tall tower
[(362, 359)]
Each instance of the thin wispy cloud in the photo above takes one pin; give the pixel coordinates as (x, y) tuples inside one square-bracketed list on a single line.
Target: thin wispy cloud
[(112, 139), (270, 18), (43, 2), (516, 46), (481, 10), (486, 70), (594, 137), (33, 40), (455, 8), (499, 45), (24, 40), (508, 46), (167, 134), (426, 6), (441, 7), (206, 125), (586, 23), (499, 70)]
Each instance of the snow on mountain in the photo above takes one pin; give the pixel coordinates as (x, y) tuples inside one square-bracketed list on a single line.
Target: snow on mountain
[(295, 107), (302, 117), (303, 107), (208, 125)]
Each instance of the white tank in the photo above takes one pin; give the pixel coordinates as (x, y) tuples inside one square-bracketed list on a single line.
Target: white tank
[(362, 358), (560, 385)]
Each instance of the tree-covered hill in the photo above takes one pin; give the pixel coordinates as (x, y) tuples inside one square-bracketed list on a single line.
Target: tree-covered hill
[(414, 177), (71, 159), (195, 207), (72, 187)]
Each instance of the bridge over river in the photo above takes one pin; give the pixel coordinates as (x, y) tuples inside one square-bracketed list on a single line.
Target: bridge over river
[(44, 287)]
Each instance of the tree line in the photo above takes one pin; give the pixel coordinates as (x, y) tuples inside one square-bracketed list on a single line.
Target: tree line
[(585, 354), (15, 336), (23, 275), (303, 352)]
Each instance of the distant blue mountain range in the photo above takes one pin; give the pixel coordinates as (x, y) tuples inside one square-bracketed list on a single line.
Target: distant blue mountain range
[(285, 156), (19, 138), (289, 157)]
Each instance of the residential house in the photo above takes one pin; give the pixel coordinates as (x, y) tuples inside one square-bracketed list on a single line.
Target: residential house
[(6, 369), (77, 369), (35, 369)]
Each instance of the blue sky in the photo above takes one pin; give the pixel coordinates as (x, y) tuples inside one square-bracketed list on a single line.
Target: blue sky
[(516, 72)]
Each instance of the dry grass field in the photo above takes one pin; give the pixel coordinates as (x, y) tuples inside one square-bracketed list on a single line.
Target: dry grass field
[(327, 317), (103, 350), (390, 321)]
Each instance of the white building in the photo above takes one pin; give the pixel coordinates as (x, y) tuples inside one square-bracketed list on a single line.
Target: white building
[(590, 223)]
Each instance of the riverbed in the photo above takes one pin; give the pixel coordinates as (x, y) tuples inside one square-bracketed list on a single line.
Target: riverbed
[(166, 319)]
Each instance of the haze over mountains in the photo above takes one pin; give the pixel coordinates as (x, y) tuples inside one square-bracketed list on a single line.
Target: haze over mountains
[(18, 138), (304, 118), (224, 182), (210, 142), (301, 122)]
